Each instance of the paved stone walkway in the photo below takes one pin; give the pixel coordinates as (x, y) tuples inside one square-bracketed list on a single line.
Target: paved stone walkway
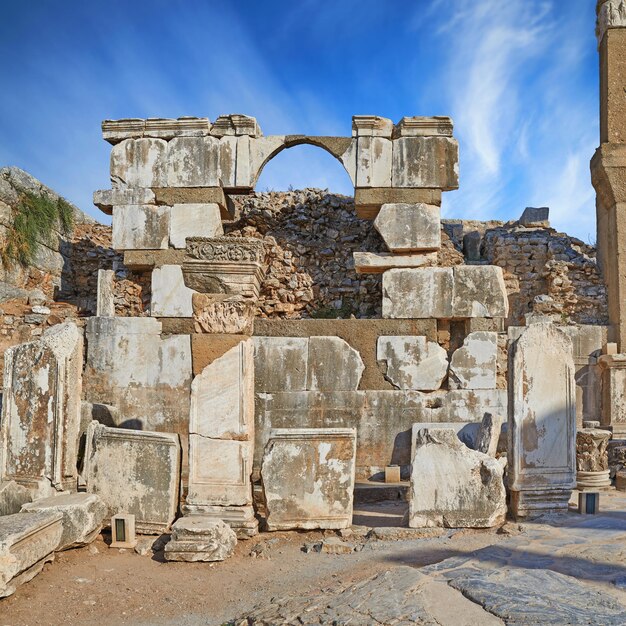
[(558, 570)]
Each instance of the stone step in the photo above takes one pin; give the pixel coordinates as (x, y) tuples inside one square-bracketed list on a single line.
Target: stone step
[(367, 492)]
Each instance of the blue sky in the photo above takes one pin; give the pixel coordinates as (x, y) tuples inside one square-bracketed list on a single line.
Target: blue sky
[(518, 77)]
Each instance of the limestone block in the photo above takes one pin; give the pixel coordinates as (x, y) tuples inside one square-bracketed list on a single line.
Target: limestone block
[(166, 128), (367, 201), (147, 377), (535, 216), (373, 263), (489, 434), (136, 472), (333, 365), (280, 363), (222, 397), (240, 518), (106, 199), (226, 265), (413, 362), (468, 433), (613, 368), (200, 538), (139, 163), (39, 429), (418, 293), (453, 486), (12, 497), (219, 472), (115, 131), (474, 365), (437, 126), (373, 161), (193, 162), (215, 313), (409, 227), (27, 541), (236, 124), (479, 291), (169, 296), (542, 421), (262, 150), (430, 162), (194, 220), (105, 303), (141, 227), (82, 513), (308, 478)]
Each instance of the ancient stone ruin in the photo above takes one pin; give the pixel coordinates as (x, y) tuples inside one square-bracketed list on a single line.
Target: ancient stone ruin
[(238, 363)]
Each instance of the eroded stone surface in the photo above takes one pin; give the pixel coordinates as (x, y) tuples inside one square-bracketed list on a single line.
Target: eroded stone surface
[(136, 472), (308, 478), (200, 538), (413, 362), (333, 365), (169, 295), (194, 220), (409, 227), (542, 421), (489, 434), (453, 486), (280, 363), (474, 365), (27, 541), (12, 497), (222, 314), (141, 227), (83, 514), (139, 163)]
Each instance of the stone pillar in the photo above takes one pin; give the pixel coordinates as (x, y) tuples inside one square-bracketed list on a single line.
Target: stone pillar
[(542, 421), (592, 459), (608, 166), (105, 304), (613, 368)]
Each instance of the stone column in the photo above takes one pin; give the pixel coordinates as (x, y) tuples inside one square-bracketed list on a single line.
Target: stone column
[(592, 459), (608, 166), (613, 368), (542, 421)]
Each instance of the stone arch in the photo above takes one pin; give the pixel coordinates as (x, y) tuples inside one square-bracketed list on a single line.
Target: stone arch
[(341, 148)]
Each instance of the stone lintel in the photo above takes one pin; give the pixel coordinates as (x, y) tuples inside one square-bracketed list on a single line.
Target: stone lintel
[(377, 263), (371, 126), (418, 126), (145, 260), (115, 131), (369, 200), (195, 195)]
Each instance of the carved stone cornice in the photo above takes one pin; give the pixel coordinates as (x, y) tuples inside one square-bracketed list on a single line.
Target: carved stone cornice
[(611, 14)]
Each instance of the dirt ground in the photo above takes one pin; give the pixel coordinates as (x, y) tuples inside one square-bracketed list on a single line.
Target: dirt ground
[(98, 585)]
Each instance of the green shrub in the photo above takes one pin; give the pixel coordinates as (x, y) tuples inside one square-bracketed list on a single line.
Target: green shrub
[(35, 218)]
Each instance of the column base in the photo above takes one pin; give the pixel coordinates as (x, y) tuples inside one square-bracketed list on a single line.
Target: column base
[(240, 518), (536, 502), (593, 480)]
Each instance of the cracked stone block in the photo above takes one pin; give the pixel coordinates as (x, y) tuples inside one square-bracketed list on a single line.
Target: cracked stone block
[(141, 227), (453, 486), (12, 497), (535, 216), (194, 220), (474, 365), (280, 364), (409, 227), (139, 163), (193, 162), (479, 291), (135, 472), (333, 365), (428, 162), (200, 538), (41, 411), (308, 478), (83, 514), (27, 541), (542, 421), (170, 297), (413, 362), (489, 434)]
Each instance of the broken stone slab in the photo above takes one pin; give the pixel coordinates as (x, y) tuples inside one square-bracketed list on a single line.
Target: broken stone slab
[(41, 408), (453, 486), (135, 472), (333, 365), (542, 421), (140, 227), (535, 216), (280, 364), (27, 541), (198, 538), (241, 519), (12, 497), (170, 297), (467, 432), (463, 291), (83, 514), (227, 265), (409, 227), (474, 365), (139, 163), (308, 478), (374, 263), (489, 434), (236, 124), (106, 199), (105, 301), (220, 314), (412, 362), (194, 220)]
